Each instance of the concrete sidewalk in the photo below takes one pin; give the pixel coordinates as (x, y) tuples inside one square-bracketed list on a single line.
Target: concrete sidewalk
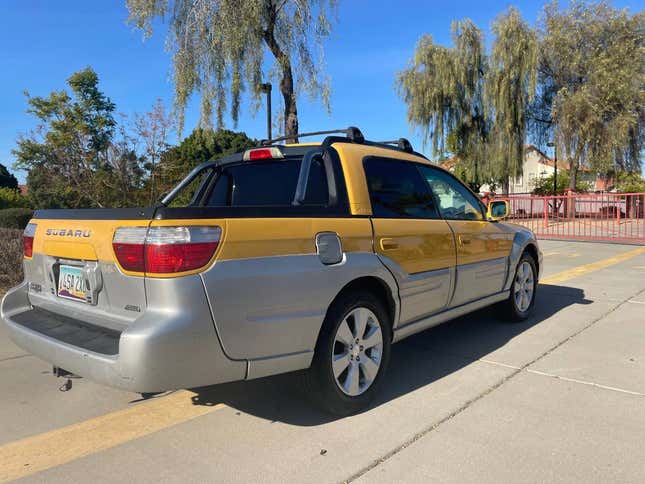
[(560, 398), (577, 414)]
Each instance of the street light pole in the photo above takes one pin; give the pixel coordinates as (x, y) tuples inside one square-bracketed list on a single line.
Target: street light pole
[(555, 166), (555, 169), (266, 88)]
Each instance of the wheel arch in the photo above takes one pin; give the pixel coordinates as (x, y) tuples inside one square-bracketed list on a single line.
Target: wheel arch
[(532, 250), (374, 285), (523, 242)]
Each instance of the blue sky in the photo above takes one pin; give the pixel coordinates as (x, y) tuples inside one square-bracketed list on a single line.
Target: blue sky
[(44, 42)]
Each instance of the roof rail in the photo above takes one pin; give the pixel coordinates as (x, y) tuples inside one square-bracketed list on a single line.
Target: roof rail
[(353, 134), (402, 143)]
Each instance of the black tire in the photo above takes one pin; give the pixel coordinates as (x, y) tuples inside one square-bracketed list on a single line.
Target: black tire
[(510, 308), (319, 381)]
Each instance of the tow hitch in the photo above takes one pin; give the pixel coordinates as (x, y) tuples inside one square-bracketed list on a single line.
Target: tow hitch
[(60, 373)]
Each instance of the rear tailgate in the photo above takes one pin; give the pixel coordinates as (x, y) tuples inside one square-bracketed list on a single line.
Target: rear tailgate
[(73, 270)]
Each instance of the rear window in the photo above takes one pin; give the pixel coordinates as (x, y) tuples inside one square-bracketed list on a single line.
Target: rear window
[(267, 183)]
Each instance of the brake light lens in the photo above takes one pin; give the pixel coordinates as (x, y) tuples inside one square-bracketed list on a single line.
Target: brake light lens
[(263, 154), (28, 240), (128, 244), (165, 250), (179, 249)]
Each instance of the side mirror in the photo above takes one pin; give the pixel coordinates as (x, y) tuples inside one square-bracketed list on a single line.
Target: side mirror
[(497, 210)]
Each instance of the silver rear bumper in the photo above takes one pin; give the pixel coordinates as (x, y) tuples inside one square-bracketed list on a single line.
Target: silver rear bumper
[(172, 345)]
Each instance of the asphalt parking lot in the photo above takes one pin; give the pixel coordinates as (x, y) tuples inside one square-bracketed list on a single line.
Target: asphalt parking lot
[(560, 398)]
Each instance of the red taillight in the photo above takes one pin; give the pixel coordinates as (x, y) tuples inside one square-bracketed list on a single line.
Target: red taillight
[(130, 256), (263, 154), (28, 240), (165, 250), (128, 244), (260, 154), (165, 259)]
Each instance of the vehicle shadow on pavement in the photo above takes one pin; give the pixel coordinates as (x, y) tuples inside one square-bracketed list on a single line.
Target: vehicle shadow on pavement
[(416, 361)]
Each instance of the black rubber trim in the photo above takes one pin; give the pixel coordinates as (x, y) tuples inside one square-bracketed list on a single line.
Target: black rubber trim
[(71, 331), (304, 211), (96, 214)]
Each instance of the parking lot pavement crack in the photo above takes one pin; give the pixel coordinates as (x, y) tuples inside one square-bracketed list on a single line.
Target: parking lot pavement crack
[(427, 430), (9, 358)]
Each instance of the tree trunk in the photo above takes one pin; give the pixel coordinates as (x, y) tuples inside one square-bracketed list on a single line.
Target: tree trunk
[(290, 108), (286, 82), (573, 173), (506, 184)]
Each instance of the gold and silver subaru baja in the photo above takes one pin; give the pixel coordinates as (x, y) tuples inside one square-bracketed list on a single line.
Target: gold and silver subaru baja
[(314, 257)]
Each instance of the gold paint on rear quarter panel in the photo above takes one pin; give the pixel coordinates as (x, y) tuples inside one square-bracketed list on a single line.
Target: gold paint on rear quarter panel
[(268, 237)]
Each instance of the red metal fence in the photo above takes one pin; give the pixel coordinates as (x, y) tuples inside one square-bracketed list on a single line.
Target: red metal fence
[(615, 217)]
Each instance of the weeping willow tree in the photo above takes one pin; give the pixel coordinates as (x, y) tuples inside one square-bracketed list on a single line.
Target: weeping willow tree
[(444, 91), (218, 49), (472, 105), (591, 73), (510, 87)]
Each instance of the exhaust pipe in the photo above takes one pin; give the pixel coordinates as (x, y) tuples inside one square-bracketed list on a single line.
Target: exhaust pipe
[(61, 373)]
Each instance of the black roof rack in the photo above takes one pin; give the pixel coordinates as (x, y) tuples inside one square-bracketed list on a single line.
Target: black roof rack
[(402, 143), (353, 134)]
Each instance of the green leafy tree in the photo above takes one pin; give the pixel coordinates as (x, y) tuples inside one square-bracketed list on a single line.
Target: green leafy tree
[(218, 48), (7, 180), (509, 87), (544, 185), (203, 144), (629, 182), (67, 156), (443, 90), (11, 198), (591, 77), (472, 105)]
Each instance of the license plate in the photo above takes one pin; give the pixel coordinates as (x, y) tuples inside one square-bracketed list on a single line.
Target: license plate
[(71, 284)]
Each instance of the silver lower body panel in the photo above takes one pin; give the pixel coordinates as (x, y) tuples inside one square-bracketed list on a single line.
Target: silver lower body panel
[(172, 345)]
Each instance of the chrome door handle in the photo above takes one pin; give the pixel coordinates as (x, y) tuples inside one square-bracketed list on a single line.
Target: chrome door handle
[(464, 240)]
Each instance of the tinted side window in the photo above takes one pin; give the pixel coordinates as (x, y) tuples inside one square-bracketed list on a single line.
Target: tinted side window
[(266, 183), (397, 190), (456, 202)]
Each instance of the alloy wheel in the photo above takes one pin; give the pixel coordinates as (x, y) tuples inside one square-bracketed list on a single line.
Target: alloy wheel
[(357, 351), (524, 286)]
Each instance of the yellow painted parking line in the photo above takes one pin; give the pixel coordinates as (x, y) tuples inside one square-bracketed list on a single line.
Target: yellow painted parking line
[(592, 267), (34, 454), (56, 447)]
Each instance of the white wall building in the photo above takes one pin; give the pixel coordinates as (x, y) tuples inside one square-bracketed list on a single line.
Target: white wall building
[(536, 165)]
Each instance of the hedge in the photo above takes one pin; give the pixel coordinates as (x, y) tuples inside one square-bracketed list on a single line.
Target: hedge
[(11, 260), (15, 218)]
